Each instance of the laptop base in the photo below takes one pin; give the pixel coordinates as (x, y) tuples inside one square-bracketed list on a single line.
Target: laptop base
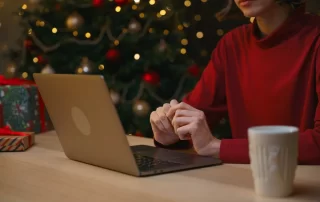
[(154, 161)]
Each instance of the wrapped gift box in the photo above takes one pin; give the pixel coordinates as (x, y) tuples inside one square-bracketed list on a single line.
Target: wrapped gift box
[(21, 106), (11, 141)]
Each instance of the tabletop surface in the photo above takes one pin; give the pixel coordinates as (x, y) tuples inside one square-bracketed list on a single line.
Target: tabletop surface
[(43, 173)]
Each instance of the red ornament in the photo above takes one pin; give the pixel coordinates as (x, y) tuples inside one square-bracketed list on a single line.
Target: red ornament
[(28, 44), (58, 7), (151, 77), (97, 3), (121, 2), (194, 70), (139, 134), (113, 55), (41, 59)]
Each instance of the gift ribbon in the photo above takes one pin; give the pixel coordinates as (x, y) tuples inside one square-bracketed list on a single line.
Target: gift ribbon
[(17, 82), (6, 131)]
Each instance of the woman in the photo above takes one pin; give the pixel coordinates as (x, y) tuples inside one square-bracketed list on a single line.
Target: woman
[(264, 73)]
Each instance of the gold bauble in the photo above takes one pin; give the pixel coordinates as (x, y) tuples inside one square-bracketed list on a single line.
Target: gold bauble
[(74, 21), (141, 108), (134, 26), (11, 70)]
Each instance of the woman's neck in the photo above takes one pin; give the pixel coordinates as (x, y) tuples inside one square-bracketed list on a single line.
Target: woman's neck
[(272, 19)]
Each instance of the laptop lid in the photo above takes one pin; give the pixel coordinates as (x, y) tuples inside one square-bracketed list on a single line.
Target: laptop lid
[(86, 120)]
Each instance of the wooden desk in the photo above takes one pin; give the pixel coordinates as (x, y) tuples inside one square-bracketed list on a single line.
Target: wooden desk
[(44, 174)]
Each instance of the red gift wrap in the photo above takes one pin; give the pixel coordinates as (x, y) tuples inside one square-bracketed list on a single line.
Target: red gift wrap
[(15, 141)]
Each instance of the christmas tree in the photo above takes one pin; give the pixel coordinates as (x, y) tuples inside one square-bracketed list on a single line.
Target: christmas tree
[(138, 46)]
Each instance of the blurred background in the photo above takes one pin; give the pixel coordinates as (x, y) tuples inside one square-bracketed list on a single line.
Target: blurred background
[(149, 51)]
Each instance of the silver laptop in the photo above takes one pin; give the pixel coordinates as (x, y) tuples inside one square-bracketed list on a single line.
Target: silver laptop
[(90, 131)]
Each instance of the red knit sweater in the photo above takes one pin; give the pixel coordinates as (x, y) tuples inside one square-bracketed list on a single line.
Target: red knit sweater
[(269, 81)]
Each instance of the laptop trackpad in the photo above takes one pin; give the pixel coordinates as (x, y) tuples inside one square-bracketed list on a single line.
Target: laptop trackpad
[(169, 155)]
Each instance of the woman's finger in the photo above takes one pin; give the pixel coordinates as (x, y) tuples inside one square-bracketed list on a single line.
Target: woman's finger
[(183, 132), (181, 121), (164, 120), (156, 124), (166, 107), (174, 102), (181, 105), (185, 112)]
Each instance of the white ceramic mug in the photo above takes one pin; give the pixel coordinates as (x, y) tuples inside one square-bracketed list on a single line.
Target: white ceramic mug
[(273, 152)]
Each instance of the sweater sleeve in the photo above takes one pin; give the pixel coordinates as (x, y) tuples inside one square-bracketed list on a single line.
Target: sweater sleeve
[(208, 95), (237, 150)]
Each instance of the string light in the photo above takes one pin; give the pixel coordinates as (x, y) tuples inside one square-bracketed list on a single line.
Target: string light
[(88, 35), (118, 9), (75, 33), (180, 27), (35, 60), (101, 67), (187, 3), (116, 42), (30, 31), (85, 69), (54, 30), (163, 12), (152, 2), (134, 7), (166, 32), (24, 75), (183, 51), (159, 15), (79, 70), (203, 1), (186, 25), (197, 17), (136, 56), (150, 30), (199, 35), (141, 15), (184, 42), (24, 6), (136, 1)]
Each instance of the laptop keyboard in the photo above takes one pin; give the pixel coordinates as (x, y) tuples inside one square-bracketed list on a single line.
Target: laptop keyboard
[(146, 163)]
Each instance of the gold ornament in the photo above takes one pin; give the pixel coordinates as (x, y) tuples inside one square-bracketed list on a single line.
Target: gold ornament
[(134, 26), (141, 108), (11, 70), (115, 97), (85, 66), (74, 21), (47, 70)]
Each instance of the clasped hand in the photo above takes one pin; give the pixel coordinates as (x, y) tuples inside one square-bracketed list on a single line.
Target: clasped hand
[(179, 121)]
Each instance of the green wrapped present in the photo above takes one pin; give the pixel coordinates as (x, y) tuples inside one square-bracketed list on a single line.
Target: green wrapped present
[(21, 106)]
